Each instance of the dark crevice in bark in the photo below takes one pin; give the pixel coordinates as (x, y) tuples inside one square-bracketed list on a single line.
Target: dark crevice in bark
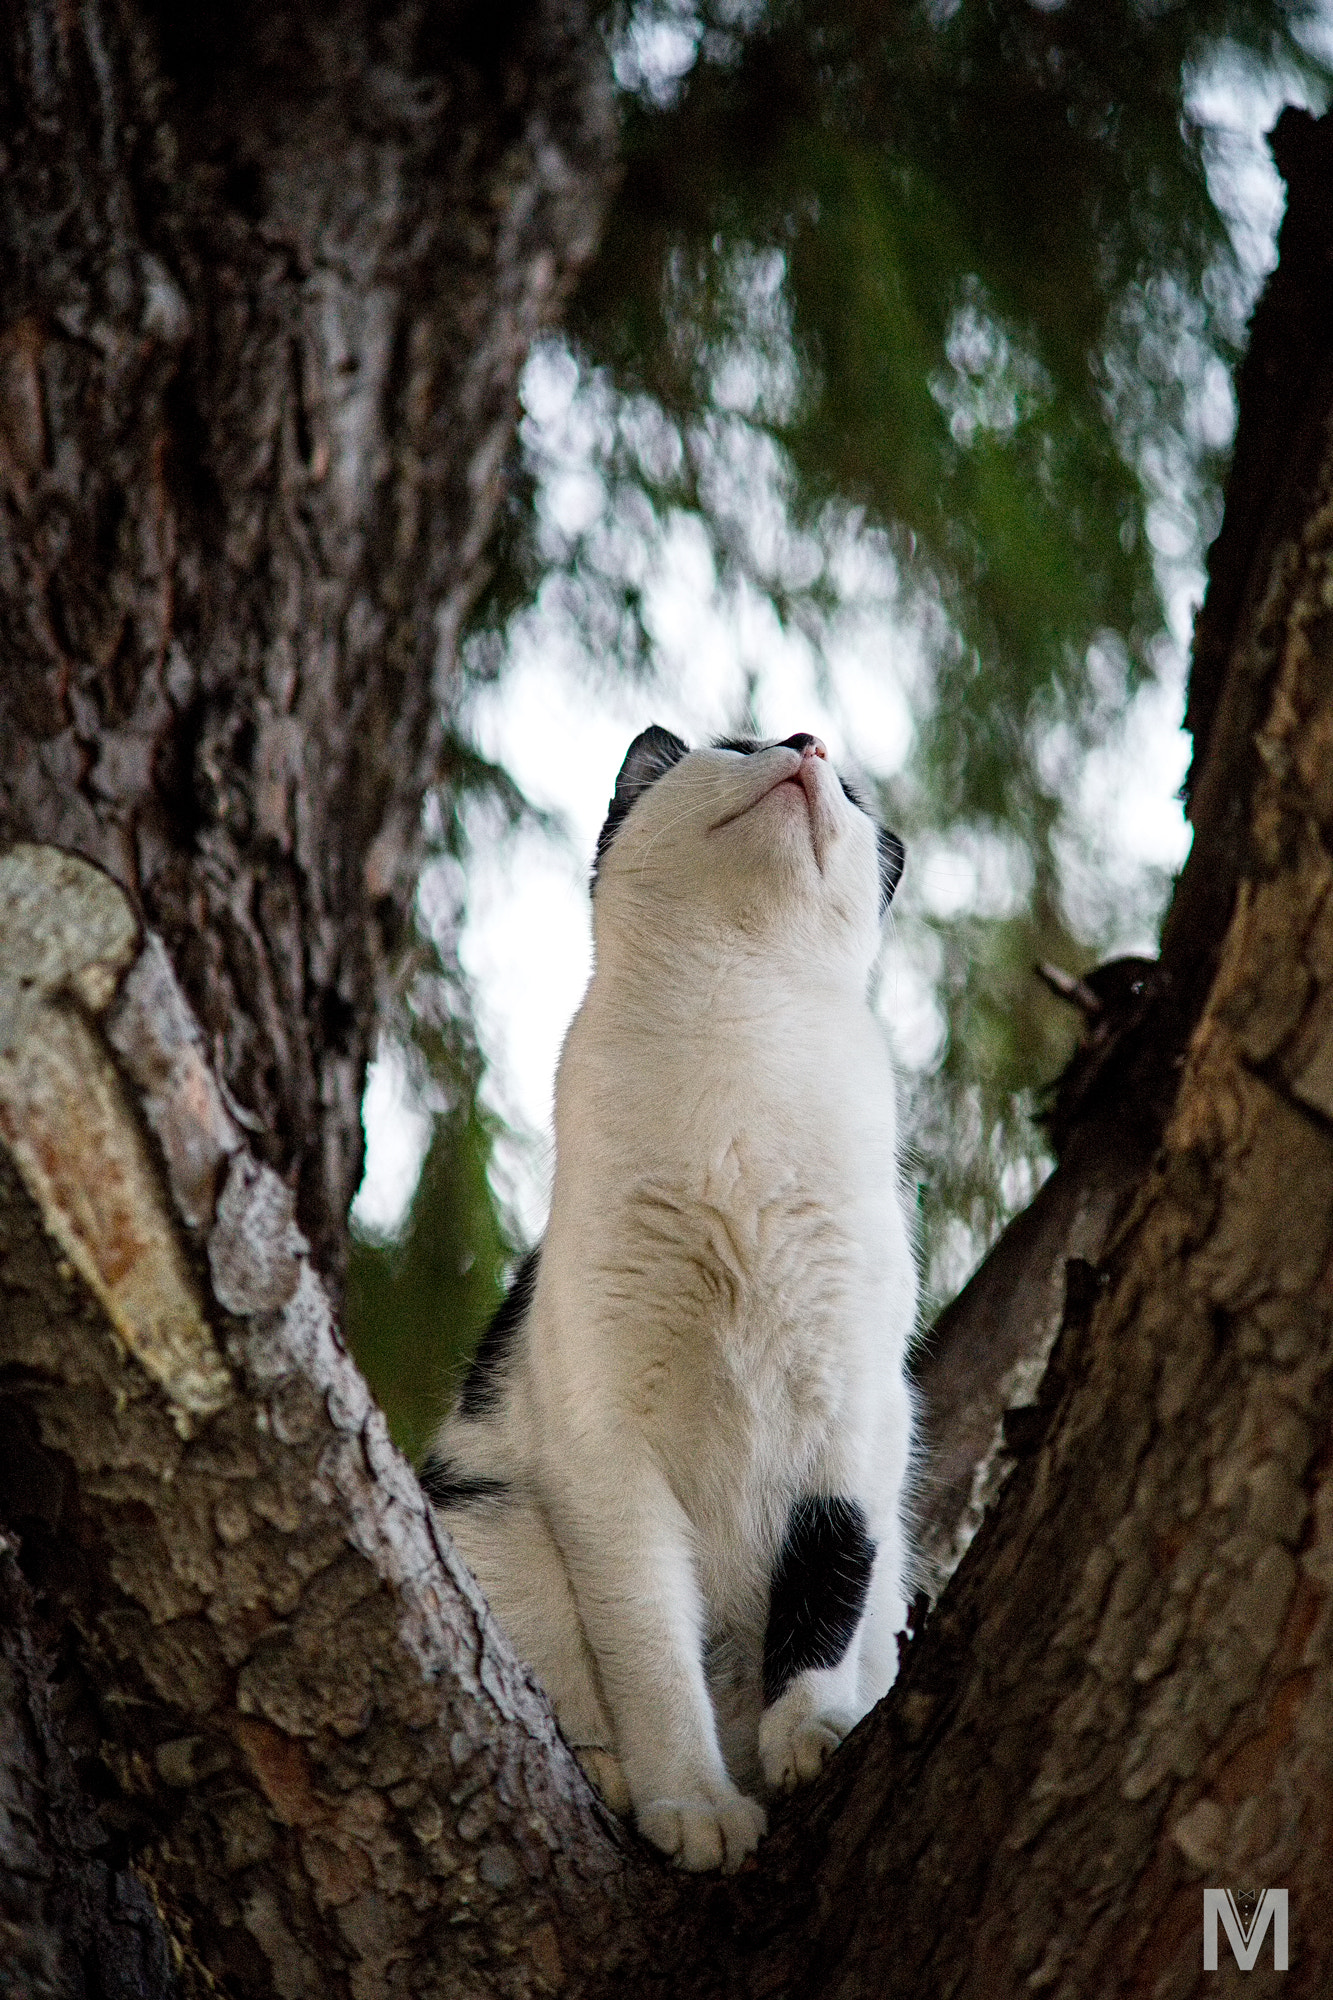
[(76, 1923)]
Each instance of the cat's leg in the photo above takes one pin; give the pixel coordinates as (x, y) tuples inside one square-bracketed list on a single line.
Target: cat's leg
[(627, 1548), (885, 1612), (509, 1547), (836, 1596), (812, 1647)]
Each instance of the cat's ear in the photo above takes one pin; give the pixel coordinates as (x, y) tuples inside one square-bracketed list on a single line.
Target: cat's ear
[(650, 755), (648, 758), (891, 852)]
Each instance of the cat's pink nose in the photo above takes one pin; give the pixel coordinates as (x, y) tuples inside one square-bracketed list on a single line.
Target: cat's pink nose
[(809, 746)]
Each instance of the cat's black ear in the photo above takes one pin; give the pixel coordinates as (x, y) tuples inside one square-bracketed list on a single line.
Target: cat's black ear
[(650, 755), (891, 852)]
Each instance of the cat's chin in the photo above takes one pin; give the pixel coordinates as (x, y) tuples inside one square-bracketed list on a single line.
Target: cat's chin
[(789, 788), (791, 800), (797, 798), (803, 813)]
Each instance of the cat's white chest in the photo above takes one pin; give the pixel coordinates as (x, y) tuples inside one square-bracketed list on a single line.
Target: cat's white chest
[(748, 1237)]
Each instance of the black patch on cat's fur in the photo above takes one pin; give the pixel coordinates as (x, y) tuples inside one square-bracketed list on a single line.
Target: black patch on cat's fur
[(818, 1590), (891, 852), (447, 1488), (484, 1380), (649, 757)]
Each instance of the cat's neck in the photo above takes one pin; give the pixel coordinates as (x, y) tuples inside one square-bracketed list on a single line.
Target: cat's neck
[(666, 966), (698, 989)]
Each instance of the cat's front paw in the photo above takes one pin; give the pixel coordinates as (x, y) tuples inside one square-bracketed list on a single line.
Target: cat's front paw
[(699, 1833), (604, 1769), (796, 1739)]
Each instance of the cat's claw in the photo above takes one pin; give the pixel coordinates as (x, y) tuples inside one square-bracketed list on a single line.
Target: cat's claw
[(704, 1833), (604, 1769), (795, 1745)]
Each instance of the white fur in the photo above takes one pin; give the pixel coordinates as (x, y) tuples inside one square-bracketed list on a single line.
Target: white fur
[(723, 1306)]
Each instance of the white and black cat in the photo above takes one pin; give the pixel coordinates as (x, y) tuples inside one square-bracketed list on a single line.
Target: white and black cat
[(677, 1466)]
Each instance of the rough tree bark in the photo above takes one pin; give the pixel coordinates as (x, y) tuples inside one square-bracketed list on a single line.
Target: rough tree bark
[(266, 286), (269, 274)]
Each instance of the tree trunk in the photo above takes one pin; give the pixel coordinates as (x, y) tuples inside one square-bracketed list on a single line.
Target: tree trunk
[(270, 273), (269, 276)]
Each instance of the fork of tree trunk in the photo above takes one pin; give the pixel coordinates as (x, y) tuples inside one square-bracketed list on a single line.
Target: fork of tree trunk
[(269, 279)]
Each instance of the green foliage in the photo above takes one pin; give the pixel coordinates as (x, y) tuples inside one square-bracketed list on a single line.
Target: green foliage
[(1003, 283), (946, 279), (416, 1307), (973, 217)]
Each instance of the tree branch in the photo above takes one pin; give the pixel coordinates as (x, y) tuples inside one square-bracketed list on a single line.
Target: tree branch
[(330, 1767)]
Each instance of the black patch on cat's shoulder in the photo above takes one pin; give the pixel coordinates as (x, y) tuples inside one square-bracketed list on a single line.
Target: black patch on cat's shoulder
[(649, 757), (484, 1379), (818, 1590), (891, 853), (447, 1488)]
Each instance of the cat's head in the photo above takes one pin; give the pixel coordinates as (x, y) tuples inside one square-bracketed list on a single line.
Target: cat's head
[(761, 837)]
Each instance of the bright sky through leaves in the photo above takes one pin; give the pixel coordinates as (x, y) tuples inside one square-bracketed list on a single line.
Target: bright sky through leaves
[(748, 603)]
